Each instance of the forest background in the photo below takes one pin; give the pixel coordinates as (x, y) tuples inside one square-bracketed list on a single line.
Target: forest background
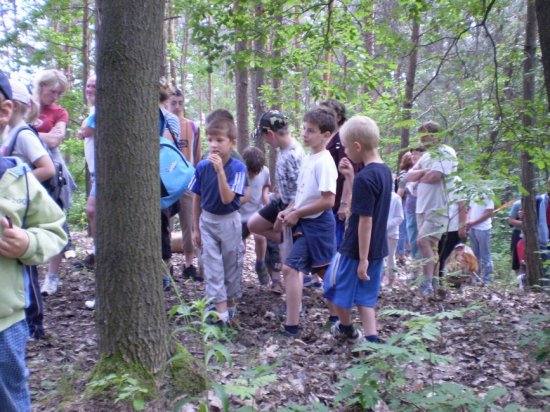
[(474, 66), (403, 62)]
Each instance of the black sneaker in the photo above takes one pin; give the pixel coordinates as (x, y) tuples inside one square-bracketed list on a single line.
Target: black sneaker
[(190, 272)]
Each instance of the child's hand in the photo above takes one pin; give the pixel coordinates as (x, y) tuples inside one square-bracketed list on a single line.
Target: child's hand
[(196, 238), (345, 167), (362, 270), (14, 241), (216, 161), (291, 218)]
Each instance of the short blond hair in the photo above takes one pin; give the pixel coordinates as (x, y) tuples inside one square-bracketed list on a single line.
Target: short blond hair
[(50, 77), (361, 129)]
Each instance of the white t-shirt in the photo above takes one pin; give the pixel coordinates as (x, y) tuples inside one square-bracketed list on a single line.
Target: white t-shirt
[(395, 216), (28, 146), (256, 187), (454, 198), (477, 208), (434, 196), (317, 174)]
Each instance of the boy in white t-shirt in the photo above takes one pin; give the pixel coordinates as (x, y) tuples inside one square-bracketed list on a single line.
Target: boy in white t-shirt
[(310, 215), (479, 224), (395, 217)]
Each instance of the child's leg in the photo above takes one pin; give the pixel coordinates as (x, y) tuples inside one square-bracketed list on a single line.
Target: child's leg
[(391, 266), (231, 248), (368, 320), (344, 315), (293, 285), (260, 246), (14, 391)]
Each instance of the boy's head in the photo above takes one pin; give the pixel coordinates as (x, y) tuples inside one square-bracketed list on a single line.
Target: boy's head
[(221, 126), (175, 104), (359, 134), (429, 133), (325, 120), (6, 106), (273, 127), (254, 159), (338, 108)]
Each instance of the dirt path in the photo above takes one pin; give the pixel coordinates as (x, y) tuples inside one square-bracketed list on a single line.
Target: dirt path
[(482, 343)]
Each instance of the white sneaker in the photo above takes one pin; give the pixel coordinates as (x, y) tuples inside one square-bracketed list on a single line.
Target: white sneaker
[(90, 304), (50, 285)]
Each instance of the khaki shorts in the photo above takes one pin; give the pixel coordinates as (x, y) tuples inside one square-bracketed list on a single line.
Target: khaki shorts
[(432, 224)]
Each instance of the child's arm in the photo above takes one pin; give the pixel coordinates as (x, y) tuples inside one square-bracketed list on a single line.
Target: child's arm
[(486, 215), (196, 218), (364, 230), (291, 217), (346, 168), (246, 197), (226, 194), (265, 194), (44, 168)]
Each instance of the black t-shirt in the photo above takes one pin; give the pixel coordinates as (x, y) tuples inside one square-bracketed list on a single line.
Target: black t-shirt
[(372, 189)]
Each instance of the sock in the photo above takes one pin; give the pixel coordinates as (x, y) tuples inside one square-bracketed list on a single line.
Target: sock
[(346, 329), (293, 329), (224, 316), (260, 264), (372, 338), (333, 318)]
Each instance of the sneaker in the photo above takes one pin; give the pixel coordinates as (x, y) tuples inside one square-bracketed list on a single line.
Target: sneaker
[(263, 274), (287, 334), (190, 272), (90, 304), (426, 289), (353, 337), (311, 282), (277, 288), (376, 339), (50, 285)]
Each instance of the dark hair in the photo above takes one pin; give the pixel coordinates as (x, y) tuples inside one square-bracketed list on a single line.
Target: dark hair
[(219, 114), (338, 108), (420, 149), (406, 161), (430, 127), (254, 159), (176, 92), (322, 118), (222, 126)]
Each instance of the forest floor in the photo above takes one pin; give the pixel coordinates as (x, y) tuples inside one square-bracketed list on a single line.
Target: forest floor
[(482, 344)]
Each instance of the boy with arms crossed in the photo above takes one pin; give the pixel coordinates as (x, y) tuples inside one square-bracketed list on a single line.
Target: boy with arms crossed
[(310, 215), (219, 182), (356, 271)]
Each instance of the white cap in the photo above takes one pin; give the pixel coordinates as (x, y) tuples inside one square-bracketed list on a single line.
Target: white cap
[(20, 92)]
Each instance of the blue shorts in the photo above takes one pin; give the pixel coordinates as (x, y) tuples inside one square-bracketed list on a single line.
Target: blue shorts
[(300, 258), (344, 288)]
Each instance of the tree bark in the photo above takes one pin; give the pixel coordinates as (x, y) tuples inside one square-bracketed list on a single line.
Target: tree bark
[(241, 92), (409, 86), (258, 79), (543, 17), (130, 314), (532, 247)]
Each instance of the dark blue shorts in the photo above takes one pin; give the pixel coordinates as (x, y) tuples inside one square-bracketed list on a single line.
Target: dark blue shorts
[(344, 288)]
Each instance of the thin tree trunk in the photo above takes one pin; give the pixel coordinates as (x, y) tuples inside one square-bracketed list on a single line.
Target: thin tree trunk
[(532, 247), (172, 64), (183, 63), (241, 90), (258, 80), (409, 86), (130, 316)]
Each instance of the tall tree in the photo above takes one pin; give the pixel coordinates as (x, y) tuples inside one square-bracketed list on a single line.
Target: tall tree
[(130, 316), (543, 17), (532, 247)]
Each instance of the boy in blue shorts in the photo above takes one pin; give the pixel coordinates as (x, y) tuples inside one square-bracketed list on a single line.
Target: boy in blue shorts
[(356, 271), (219, 182), (310, 215)]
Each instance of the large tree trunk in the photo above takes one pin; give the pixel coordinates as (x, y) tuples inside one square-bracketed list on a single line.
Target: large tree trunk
[(532, 247), (409, 86), (543, 17), (130, 317)]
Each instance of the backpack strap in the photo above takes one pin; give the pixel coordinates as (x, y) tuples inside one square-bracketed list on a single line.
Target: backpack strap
[(26, 126)]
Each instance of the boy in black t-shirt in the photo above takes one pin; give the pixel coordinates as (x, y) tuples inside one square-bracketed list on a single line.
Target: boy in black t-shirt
[(356, 271)]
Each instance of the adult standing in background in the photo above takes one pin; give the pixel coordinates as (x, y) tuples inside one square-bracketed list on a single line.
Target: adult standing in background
[(51, 125)]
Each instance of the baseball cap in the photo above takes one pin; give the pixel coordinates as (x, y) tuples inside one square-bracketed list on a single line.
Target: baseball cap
[(273, 120), (5, 87), (20, 92)]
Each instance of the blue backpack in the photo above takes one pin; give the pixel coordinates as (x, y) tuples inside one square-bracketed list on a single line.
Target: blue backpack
[(175, 170)]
